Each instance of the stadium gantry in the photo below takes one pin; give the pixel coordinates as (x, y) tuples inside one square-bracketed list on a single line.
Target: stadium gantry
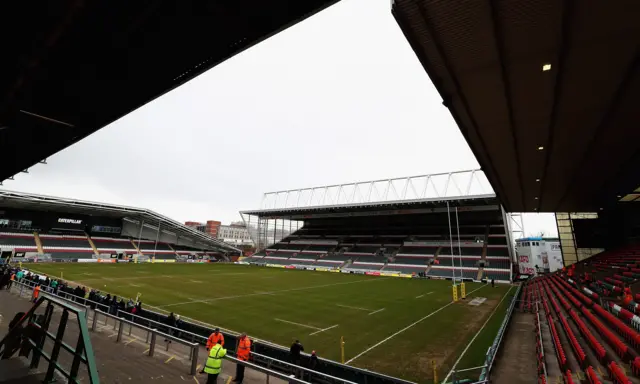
[(447, 225)]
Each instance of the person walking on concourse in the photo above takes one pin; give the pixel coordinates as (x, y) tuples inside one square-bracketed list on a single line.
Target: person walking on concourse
[(214, 363)]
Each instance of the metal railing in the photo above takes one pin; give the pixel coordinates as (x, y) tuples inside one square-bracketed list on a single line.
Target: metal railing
[(152, 335), (355, 374), (297, 369), (120, 326), (82, 353)]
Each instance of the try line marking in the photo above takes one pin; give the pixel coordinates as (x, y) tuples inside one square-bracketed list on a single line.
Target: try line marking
[(376, 311), (294, 323), (322, 330), (405, 328), (350, 307), (476, 335)]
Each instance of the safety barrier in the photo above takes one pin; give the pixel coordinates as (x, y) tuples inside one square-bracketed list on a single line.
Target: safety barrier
[(329, 368), (542, 367), (82, 353)]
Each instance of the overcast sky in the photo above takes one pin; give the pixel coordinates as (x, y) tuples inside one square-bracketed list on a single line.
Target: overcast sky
[(338, 98)]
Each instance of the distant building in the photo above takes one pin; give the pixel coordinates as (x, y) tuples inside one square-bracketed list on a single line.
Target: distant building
[(541, 252), (211, 227), (236, 233)]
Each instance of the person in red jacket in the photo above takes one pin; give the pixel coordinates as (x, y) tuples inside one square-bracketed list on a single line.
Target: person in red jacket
[(214, 338), (242, 353)]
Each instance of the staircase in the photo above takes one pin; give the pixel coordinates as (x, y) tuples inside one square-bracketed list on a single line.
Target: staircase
[(346, 264), (93, 246), (172, 249), (486, 242), (480, 272), (38, 242), (136, 247)]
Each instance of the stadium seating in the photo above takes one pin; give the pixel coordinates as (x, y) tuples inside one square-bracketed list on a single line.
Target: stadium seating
[(112, 244), (60, 241), (405, 268), (367, 266), (66, 255), (146, 246), (412, 260), (17, 240), (319, 248), (597, 329), (496, 274)]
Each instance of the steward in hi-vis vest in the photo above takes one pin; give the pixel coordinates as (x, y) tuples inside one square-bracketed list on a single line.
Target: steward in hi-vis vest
[(214, 363)]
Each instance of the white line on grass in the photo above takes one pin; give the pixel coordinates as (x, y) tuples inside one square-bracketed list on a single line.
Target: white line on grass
[(476, 335), (322, 330), (294, 323), (376, 311), (407, 327), (419, 296), (350, 307), (270, 293)]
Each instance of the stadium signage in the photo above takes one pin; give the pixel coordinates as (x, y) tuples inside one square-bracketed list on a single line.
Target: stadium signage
[(69, 221)]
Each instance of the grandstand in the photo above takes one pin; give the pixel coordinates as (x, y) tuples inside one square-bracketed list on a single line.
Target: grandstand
[(440, 232), (46, 227), (554, 132)]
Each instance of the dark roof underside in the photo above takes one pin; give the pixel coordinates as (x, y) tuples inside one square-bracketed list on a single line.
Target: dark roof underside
[(369, 207), (70, 67), (486, 57)]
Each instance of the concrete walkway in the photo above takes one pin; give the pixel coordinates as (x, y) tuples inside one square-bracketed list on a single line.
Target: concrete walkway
[(126, 361)]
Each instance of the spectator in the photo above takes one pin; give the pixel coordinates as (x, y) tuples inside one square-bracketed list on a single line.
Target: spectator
[(171, 322), (313, 363), (294, 355)]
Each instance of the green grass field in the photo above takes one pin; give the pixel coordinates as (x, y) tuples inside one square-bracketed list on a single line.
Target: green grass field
[(391, 325)]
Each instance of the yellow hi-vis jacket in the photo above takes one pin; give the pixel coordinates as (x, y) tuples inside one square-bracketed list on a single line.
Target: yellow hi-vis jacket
[(214, 361)]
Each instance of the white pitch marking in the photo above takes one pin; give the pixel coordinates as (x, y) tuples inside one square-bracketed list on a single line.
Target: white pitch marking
[(322, 330), (196, 281), (405, 328), (135, 285), (302, 325), (376, 311), (476, 335), (417, 297), (272, 292), (358, 308), (428, 293)]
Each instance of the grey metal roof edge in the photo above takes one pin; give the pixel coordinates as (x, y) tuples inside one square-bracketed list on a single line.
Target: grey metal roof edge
[(371, 204), (125, 210)]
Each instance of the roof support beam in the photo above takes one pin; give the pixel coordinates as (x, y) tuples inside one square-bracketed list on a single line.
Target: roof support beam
[(604, 123), (447, 98), (558, 90), (498, 37)]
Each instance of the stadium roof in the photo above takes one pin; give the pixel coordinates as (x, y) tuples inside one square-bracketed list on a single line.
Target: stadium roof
[(458, 188), (544, 91), (20, 200), (70, 67)]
